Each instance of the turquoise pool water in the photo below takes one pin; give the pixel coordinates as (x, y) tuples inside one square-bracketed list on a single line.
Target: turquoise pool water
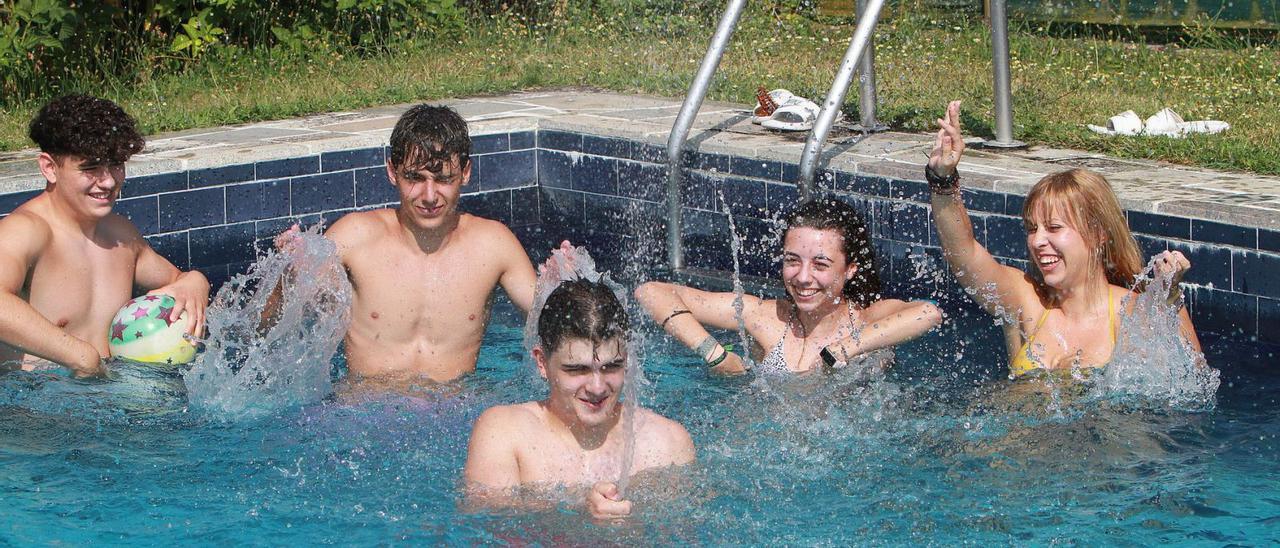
[(929, 456)]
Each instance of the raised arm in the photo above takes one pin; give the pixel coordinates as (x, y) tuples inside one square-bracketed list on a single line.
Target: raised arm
[(518, 277), (21, 325), (684, 311), (999, 289), (888, 323)]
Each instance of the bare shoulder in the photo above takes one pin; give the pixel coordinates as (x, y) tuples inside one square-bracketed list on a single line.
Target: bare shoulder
[(359, 227), (666, 435), (25, 224), (489, 230), (121, 228), (24, 232), (502, 419)]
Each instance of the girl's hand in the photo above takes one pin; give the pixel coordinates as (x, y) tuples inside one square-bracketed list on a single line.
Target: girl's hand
[(949, 144)]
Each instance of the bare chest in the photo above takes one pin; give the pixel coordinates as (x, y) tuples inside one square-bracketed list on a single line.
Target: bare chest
[(431, 294), (79, 286)]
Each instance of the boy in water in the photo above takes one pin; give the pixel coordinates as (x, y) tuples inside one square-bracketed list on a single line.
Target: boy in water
[(576, 435), (67, 263), (422, 273)]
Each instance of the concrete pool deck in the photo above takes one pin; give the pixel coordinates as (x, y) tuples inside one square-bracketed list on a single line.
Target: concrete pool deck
[(1235, 198)]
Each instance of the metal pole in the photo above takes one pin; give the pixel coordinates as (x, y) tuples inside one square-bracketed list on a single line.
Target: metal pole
[(867, 83), (679, 131), (822, 127), (1000, 68)]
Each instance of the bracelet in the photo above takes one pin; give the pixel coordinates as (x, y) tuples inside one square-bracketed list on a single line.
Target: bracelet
[(719, 360), (706, 346), (942, 185), (672, 315)]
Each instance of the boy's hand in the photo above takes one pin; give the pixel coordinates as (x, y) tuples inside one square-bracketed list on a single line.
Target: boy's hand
[(87, 363), (191, 295), (605, 502)]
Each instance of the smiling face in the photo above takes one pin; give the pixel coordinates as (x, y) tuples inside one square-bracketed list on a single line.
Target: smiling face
[(429, 193), (88, 189), (1065, 257), (814, 268), (585, 379)]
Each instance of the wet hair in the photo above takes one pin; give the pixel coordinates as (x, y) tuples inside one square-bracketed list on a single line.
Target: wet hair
[(429, 136), (581, 309), (95, 129), (1089, 205), (831, 214)]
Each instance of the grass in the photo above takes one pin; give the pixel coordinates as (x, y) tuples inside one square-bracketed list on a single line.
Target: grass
[(1061, 80)]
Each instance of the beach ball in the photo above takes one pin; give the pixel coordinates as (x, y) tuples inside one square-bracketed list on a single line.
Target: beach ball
[(141, 331)]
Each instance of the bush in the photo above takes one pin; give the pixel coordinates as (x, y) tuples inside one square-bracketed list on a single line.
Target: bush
[(45, 45)]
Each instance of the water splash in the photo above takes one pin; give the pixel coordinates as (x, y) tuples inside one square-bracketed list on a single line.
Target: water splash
[(250, 370), (578, 265), (735, 249), (1152, 364)]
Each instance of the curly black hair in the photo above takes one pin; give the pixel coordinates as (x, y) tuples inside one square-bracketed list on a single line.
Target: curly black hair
[(95, 129), (833, 214), (427, 136)]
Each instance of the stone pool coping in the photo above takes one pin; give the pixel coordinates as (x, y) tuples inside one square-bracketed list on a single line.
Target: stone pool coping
[(1170, 191)]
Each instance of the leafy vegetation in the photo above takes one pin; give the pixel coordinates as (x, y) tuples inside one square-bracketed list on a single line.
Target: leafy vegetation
[(190, 63)]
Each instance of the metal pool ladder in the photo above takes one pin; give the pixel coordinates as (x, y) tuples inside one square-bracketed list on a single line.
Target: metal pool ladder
[(859, 55)]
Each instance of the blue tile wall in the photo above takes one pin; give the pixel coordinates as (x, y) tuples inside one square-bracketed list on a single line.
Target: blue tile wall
[(316, 193), (485, 144), (191, 209), (610, 193), (143, 212), (216, 176), (505, 171), (554, 169), (154, 184), (374, 188), (1160, 225), (595, 174), (258, 200), (351, 159), (1222, 233), (288, 167)]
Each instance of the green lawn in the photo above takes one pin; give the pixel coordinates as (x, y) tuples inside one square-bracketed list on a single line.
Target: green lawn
[(1061, 80)]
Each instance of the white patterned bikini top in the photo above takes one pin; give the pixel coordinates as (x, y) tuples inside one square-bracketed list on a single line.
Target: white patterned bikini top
[(776, 361)]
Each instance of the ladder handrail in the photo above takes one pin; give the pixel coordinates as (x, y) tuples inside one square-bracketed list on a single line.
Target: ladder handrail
[(679, 131), (867, 20)]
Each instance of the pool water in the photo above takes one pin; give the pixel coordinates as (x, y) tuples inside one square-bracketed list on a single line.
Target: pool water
[(932, 454)]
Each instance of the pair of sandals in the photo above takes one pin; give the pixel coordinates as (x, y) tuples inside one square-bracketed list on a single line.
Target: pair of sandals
[(1166, 123), (784, 111)]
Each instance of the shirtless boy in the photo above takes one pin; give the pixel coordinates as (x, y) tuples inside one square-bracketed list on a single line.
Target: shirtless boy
[(423, 272), (67, 263), (575, 436)]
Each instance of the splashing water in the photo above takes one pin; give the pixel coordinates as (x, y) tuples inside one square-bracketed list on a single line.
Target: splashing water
[(250, 370), (735, 248), (1152, 364), (577, 264)]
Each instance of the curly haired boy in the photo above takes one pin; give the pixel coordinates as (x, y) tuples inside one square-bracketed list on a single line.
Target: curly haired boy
[(67, 263)]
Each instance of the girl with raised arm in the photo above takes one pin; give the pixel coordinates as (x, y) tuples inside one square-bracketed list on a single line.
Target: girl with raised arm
[(832, 312), (1063, 315)]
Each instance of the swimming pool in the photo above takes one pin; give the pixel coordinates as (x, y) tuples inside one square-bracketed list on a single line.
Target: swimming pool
[(932, 456), (927, 456)]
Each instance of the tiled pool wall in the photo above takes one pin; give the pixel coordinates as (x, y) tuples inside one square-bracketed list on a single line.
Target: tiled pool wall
[(607, 193)]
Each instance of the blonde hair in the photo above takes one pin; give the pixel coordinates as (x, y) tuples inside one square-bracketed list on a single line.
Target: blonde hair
[(1090, 206)]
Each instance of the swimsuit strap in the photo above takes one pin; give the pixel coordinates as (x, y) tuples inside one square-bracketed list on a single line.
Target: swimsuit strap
[(1039, 323)]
